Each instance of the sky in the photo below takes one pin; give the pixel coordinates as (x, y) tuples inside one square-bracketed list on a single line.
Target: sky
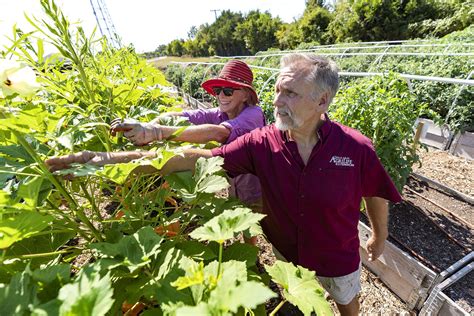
[(144, 23)]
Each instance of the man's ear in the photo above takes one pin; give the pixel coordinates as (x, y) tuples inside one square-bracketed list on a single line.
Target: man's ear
[(323, 102)]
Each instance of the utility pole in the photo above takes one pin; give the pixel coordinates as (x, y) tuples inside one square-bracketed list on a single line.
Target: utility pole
[(215, 13)]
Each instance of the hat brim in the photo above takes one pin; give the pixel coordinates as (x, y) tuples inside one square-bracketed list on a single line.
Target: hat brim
[(211, 83)]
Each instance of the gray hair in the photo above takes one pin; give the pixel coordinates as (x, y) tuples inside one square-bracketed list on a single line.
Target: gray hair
[(317, 70)]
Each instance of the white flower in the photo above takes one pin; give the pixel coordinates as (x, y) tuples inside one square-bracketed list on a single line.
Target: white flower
[(16, 78)]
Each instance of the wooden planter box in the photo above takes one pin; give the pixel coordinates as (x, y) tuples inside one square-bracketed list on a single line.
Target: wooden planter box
[(409, 279)]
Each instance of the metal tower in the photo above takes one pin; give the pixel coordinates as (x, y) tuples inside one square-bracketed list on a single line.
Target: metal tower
[(104, 21)]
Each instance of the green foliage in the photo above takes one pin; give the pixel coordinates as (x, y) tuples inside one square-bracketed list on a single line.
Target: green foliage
[(225, 225), (175, 48), (314, 23), (446, 17), (265, 83), (90, 294), (258, 31), (383, 109), (348, 21), (300, 288), (221, 38)]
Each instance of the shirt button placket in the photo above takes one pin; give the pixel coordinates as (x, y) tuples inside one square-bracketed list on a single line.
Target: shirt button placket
[(301, 194)]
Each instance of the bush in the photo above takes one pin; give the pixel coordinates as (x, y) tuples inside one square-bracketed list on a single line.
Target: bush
[(383, 109)]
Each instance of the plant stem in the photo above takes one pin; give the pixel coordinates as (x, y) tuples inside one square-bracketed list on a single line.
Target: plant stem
[(91, 200), (38, 255), (57, 231), (273, 313), (82, 216), (221, 248)]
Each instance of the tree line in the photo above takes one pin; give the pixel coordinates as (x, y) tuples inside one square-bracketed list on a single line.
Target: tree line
[(234, 33)]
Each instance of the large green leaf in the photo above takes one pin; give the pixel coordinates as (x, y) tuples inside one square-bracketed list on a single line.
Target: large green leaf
[(26, 121), (22, 226), (241, 252), (41, 244), (118, 173), (90, 294), (134, 251), (79, 170), (229, 296), (206, 175), (16, 152), (206, 167), (50, 279), (16, 297), (226, 225), (29, 190), (171, 266), (225, 294), (300, 287), (202, 309), (52, 273), (196, 250), (206, 179), (212, 184)]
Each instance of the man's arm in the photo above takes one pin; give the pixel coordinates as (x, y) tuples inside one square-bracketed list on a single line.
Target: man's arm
[(377, 211), (184, 162)]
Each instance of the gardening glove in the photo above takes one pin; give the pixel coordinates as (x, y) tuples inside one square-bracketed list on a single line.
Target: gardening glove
[(138, 133)]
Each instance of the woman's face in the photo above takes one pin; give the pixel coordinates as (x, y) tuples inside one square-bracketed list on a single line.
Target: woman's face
[(234, 104)]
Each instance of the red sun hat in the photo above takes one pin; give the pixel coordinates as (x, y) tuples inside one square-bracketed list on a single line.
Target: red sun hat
[(234, 74)]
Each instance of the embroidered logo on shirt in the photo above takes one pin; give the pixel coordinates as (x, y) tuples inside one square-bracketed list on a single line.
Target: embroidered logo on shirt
[(341, 161)]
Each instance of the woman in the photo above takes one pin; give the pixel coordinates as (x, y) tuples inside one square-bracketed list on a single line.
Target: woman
[(236, 115)]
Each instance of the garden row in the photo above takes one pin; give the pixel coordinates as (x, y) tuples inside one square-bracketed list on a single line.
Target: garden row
[(110, 240)]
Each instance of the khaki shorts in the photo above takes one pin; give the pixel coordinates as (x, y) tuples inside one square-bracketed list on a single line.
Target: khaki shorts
[(342, 289)]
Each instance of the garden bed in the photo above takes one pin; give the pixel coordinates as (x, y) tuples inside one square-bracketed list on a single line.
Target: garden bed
[(421, 225)]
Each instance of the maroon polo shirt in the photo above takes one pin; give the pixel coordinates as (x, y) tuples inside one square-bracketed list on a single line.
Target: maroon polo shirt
[(313, 210)]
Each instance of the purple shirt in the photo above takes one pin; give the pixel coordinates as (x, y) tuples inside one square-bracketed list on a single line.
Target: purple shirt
[(313, 210), (246, 187)]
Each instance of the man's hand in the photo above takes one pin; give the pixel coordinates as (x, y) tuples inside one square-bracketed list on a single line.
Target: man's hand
[(90, 157), (377, 211), (138, 133), (375, 247)]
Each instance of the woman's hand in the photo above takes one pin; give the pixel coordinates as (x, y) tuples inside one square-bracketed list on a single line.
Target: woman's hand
[(138, 133)]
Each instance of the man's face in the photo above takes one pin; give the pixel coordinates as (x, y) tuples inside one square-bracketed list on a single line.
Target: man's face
[(294, 102)]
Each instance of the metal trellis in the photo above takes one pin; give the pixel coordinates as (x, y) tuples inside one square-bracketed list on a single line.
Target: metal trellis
[(104, 21)]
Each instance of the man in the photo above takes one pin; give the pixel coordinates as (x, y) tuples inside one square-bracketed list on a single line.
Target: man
[(313, 172)]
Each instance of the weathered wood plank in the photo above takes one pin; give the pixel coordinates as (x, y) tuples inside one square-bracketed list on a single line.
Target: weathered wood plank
[(405, 276), (444, 306), (463, 145)]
